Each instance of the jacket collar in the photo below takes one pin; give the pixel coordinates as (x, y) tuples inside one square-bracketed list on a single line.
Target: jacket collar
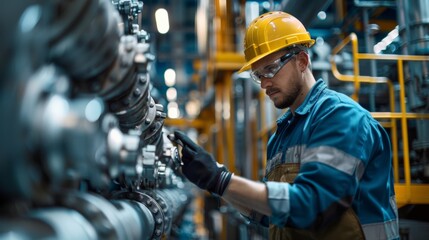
[(308, 103)]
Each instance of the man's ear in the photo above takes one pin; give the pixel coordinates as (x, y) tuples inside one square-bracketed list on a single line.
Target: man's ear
[(303, 60)]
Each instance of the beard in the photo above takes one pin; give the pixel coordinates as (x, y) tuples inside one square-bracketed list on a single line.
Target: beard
[(283, 100)]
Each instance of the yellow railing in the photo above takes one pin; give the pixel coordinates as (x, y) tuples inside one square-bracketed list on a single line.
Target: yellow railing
[(406, 192)]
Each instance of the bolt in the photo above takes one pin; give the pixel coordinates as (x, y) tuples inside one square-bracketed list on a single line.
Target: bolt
[(137, 92), (142, 78), (159, 107)]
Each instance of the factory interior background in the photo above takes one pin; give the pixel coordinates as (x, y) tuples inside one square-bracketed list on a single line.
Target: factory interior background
[(90, 91)]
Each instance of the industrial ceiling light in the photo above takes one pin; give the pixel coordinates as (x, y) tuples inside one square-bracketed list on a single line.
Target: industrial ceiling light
[(322, 15), (170, 77), (201, 25), (162, 22), (173, 110), (382, 45), (171, 94)]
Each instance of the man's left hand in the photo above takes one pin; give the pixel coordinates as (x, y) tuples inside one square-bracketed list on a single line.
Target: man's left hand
[(201, 168)]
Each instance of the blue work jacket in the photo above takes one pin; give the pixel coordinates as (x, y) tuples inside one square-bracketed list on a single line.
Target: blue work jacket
[(345, 160)]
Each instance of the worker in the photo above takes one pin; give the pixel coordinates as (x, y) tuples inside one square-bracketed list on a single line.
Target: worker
[(329, 169)]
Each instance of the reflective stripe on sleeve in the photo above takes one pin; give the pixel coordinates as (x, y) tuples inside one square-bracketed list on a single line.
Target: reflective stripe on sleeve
[(382, 230), (279, 201), (335, 158)]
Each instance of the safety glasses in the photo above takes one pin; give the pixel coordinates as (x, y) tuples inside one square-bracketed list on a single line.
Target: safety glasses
[(270, 70)]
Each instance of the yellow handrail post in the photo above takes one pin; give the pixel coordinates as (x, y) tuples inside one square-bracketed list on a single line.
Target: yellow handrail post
[(394, 133), (355, 48), (404, 125)]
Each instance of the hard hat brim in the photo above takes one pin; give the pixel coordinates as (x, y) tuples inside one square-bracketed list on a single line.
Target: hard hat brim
[(248, 65)]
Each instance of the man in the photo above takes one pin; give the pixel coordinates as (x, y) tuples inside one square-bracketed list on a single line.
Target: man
[(329, 172)]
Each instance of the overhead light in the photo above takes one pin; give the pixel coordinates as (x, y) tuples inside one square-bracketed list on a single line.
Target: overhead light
[(162, 23), (382, 45), (170, 77), (193, 108), (171, 94), (201, 25), (322, 15), (173, 110)]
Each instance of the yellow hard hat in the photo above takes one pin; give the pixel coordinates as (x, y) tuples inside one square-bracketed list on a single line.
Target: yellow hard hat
[(271, 32)]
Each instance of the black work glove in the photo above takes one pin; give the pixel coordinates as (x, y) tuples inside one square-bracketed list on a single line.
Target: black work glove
[(200, 167)]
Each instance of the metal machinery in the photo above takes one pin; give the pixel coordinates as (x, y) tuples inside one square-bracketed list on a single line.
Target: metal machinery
[(84, 153)]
